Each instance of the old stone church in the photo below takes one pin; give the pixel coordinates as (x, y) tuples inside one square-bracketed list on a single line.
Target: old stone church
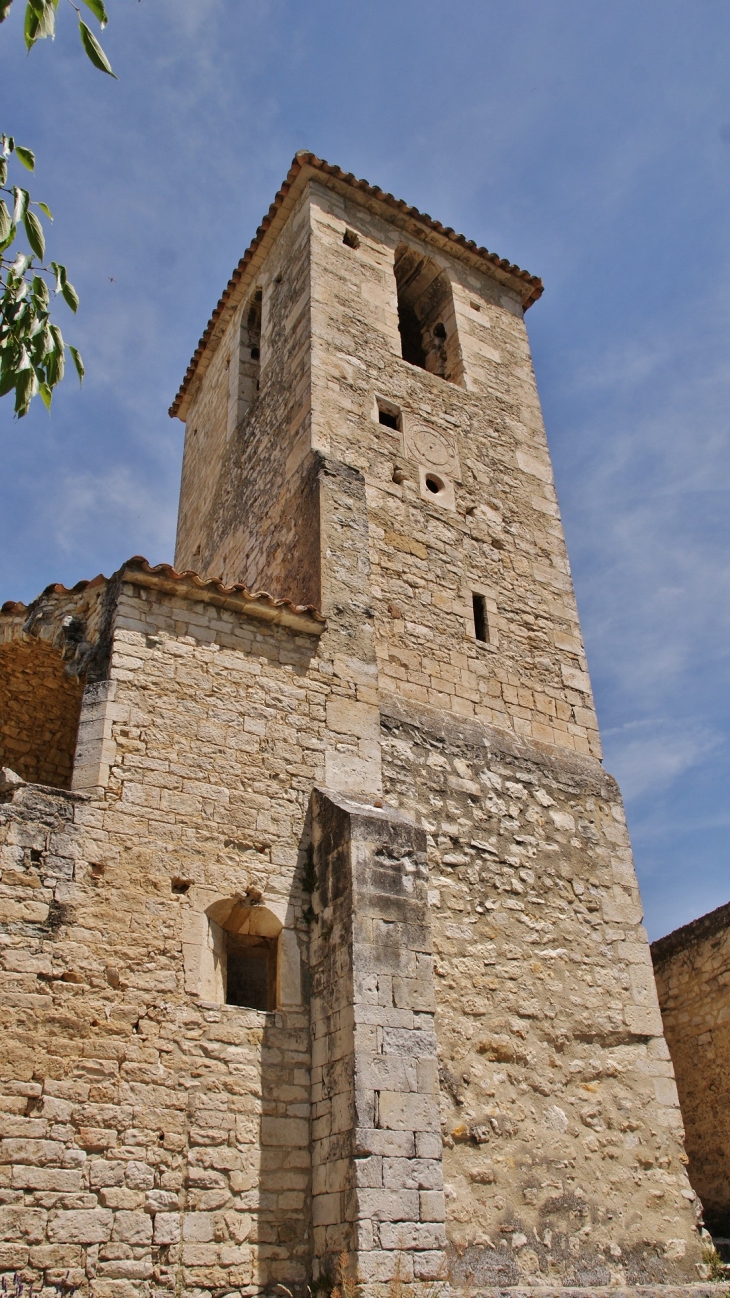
[(321, 933)]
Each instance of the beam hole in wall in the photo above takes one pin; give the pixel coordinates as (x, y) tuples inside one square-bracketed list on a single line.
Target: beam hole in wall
[(351, 239), (434, 484), (180, 886), (481, 625), (426, 317)]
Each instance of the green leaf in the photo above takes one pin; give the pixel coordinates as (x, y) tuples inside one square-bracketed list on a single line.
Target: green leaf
[(45, 395), (60, 273), (34, 234), (4, 9), (22, 199), (40, 21), (40, 291), (26, 156), (30, 29), (6, 225), (78, 363), (98, 10), (70, 296), (3, 171), (20, 265), (46, 210), (94, 50), (7, 382), (25, 389)]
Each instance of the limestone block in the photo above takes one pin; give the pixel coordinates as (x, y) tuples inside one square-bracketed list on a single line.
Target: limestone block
[(410, 1174), (407, 1112), (388, 1205), (166, 1228), (21, 1223), (85, 1226)]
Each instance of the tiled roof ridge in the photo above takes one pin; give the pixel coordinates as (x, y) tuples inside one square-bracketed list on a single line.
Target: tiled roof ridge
[(302, 159), (138, 563)]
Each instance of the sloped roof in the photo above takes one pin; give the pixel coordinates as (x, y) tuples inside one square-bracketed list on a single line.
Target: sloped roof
[(529, 287), (259, 604)]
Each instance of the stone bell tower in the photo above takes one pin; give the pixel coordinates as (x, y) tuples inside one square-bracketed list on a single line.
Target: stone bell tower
[(364, 433)]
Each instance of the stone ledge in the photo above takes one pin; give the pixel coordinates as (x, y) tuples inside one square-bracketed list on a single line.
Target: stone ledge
[(566, 767)]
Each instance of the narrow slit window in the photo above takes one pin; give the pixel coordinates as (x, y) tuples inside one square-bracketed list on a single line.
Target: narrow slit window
[(244, 377), (481, 626)]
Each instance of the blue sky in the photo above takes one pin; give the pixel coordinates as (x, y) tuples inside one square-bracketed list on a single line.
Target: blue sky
[(588, 143)]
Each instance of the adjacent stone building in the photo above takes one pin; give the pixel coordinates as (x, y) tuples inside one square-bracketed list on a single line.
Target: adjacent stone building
[(692, 970), (321, 929)]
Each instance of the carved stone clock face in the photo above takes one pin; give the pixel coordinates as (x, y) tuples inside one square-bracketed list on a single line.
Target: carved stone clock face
[(433, 448)]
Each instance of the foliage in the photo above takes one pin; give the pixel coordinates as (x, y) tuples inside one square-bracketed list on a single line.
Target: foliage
[(40, 22), (32, 349)]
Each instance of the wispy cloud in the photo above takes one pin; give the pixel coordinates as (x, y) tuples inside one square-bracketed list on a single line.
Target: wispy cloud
[(649, 755)]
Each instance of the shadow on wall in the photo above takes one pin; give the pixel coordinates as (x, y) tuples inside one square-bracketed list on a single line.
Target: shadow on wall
[(39, 712), (246, 966)]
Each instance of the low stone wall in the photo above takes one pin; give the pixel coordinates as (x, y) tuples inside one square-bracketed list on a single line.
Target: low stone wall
[(692, 971)]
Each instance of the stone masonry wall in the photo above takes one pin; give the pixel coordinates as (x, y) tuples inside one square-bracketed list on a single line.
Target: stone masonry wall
[(692, 970), (39, 713), (564, 1161), (47, 651), (503, 537), (150, 1138), (248, 503)]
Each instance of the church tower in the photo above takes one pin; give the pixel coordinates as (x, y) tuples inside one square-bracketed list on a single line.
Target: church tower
[(322, 944), (364, 433)]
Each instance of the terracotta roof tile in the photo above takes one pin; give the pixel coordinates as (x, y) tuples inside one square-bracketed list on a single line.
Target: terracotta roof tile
[(529, 286), (256, 603)]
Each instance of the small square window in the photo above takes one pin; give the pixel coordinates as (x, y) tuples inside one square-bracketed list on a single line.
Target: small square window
[(250, 972), (389, 415)]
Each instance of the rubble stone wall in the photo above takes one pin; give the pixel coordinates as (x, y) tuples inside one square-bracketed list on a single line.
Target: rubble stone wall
[(39, 712), (47, 651), (692, 970)]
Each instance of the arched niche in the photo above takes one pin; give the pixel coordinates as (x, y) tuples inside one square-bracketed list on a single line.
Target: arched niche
[(238, 953), (426, 315)]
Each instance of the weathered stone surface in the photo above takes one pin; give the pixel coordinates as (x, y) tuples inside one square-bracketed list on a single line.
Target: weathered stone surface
[(692, 970)]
